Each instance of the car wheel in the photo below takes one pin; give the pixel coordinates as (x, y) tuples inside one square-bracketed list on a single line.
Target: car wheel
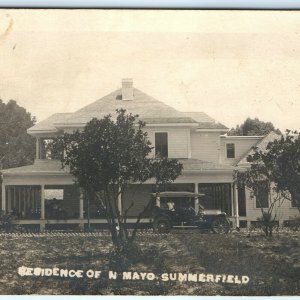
[(220, 225), (162, 225)]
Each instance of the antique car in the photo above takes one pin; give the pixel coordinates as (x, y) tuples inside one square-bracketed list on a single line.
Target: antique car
[(178, 210)]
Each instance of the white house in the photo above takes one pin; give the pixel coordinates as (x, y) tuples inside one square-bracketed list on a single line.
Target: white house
[(208, 155)]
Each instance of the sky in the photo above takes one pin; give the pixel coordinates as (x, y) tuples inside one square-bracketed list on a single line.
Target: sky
[(228, 64)]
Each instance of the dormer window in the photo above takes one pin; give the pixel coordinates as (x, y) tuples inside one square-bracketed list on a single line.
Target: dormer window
[(161, 144), (230, 149)]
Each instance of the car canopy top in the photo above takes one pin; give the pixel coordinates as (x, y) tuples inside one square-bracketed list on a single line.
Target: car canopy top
[(173, 194)]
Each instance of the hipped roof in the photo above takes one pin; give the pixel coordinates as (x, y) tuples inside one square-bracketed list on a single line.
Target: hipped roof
[(150, 110)]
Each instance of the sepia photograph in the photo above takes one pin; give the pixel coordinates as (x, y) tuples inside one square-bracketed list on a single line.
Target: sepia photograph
[(149, 152)]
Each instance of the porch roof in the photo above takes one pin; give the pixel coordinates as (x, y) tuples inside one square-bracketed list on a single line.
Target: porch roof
[(40, 166), (192, 164), (54, 167), (206, 122), (48, 124)]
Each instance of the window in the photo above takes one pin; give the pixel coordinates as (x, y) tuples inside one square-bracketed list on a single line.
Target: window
[(262, 198), (295, 200), (242, 201), (57, 194), (230, 150), (161, 144)]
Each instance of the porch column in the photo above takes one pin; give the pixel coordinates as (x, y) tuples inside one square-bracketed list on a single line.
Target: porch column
[(80, 204), (232, 199), (8, 199), (43, 202), (3, 197), (236, 197), (37, 148), (81, 222), (157, 201), (43, 222), (120, 201), (196, 190)]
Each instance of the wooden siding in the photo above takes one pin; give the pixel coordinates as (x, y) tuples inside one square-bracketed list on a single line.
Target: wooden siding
[(242, 147), (285, 211), (205, 146), (139, 195), (178, 140)]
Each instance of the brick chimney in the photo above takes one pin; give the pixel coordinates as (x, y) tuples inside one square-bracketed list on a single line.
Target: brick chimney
[(127, 89)]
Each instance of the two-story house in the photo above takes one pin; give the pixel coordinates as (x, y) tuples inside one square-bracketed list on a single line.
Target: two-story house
[(208, 155)]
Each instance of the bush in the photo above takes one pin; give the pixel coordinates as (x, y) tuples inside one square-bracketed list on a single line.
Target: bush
[(293, 224), (267, 223), (7, 223)]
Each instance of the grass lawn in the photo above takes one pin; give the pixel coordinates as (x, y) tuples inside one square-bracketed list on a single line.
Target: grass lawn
[(272, 264)]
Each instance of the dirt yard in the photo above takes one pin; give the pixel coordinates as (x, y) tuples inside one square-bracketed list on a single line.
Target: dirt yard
[(271, 264)]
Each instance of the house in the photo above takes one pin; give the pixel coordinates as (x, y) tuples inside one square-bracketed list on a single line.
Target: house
[(208, 155)]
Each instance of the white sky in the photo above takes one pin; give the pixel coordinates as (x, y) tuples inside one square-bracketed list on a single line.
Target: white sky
[(229, 64)]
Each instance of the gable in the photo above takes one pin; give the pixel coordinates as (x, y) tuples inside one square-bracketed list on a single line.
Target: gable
[(261, 145)]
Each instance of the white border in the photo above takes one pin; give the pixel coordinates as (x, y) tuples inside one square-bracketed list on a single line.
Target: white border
[(204, 4)]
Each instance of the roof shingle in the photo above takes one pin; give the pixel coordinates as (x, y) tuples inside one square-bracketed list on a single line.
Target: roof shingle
[(148, 109)]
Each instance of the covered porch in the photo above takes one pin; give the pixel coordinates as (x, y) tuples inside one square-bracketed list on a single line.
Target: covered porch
[(41, 194), (44, 195)]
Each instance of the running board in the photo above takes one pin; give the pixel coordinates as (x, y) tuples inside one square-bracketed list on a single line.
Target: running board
[(184, 226)]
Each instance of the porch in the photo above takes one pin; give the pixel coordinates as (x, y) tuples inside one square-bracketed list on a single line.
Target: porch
[(55, 206), (44, 195)]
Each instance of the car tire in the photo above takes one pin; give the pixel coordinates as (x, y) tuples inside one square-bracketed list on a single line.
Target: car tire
[(220, 225), (162, 225)]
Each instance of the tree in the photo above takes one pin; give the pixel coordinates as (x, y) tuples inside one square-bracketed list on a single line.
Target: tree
[(105, 158), (283, 158), (17, 148), (253, 127), (260, 181), (164, 171)]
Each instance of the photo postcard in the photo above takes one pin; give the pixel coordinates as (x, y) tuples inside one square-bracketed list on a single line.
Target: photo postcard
[(149, 152)]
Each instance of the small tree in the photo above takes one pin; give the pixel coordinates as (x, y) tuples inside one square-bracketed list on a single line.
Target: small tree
[(259, 180), (105, 158), (17, 148), (253, 127), (283, 158)]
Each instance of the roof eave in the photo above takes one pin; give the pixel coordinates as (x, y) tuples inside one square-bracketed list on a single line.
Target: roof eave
[(254, 137), (79, 125), (171, 124), (209, 171), (212, 129), (42, 132)]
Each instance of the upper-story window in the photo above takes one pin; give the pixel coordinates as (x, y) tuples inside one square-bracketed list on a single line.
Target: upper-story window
[(230, 149), (161, 144)]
